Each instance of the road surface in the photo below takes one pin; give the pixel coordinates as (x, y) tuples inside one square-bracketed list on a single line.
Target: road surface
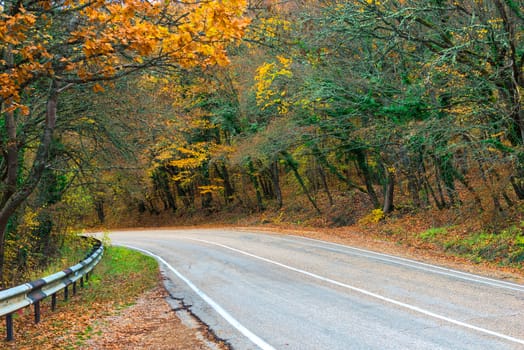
[(272, 291)]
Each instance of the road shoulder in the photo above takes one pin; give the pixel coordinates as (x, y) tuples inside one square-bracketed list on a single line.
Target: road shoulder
[(150, 323)]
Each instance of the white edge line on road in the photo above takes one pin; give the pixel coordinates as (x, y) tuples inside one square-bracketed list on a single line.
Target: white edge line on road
[(226, 315), (415, 264), (368, 293)]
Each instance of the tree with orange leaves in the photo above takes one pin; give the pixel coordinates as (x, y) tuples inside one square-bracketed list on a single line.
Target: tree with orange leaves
[(48, 46)]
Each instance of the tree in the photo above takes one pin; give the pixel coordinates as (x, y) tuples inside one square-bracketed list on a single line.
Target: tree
[(47, 47)]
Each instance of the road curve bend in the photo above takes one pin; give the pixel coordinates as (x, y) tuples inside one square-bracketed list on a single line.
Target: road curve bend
[(273, 291)]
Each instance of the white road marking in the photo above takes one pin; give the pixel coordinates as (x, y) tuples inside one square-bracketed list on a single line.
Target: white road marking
[(412, 263), (368, 293), (226, 315)]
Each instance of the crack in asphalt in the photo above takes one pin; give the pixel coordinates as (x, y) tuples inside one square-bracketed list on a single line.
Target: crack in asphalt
[(205, 330)]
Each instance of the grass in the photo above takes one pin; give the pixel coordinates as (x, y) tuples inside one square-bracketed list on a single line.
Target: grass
[(129, 271), (75, 249), (120, 277), (505, 247), (433, 233)]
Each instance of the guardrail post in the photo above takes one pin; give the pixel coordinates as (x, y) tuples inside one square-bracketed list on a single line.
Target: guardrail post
[(37, 311), (66, 293), (53, 302), (74, 288), (82, 282), (9, 327)]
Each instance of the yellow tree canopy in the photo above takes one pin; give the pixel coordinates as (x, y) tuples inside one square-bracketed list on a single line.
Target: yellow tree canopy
[(75, 41)]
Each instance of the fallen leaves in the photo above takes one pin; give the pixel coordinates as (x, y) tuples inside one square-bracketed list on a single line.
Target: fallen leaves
[(148, 324)]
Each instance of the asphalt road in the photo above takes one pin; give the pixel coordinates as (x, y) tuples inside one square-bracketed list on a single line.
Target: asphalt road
[(264, 291)]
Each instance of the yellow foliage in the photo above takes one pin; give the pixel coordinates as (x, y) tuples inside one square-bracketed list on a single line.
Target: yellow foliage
[(269, 27), (266, 75), (22, 241), (29, 220), (163, 155), (210, 189), (374, 217)]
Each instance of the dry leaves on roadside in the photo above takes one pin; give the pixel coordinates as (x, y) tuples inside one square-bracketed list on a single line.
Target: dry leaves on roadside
[(148, 324)]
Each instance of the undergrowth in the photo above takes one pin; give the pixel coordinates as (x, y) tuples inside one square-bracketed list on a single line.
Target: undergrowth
[(73, 250), (505, 247)]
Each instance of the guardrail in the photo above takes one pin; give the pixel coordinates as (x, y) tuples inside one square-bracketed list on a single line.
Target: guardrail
[(19, 297)]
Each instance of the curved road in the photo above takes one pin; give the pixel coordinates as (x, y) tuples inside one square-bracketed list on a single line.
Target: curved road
[(264, 291)]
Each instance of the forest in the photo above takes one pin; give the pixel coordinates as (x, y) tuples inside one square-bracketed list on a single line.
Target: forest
[(312, 112)]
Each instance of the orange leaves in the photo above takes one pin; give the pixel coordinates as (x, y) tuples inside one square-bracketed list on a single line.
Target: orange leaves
[(14, 106), (97, 39), (94, 47), (14, 29), (11, 82), (7, 86), (32, 52), (193, 34), (23, 56), (207, 27), (45, 4), (98, 88)]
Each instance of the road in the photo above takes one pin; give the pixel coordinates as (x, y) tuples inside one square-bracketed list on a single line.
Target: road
[(273, 291)]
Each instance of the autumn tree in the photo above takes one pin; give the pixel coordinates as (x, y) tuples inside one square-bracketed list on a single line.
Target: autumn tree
[(47, 47)]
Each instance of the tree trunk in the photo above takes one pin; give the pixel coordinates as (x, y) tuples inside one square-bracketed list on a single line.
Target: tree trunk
[(362, 164), (291, 162), (467, 185), (14, 197), (413, 188), (431, 192), (275, 178), (207, 198), (3, 229), (388, 193), (325, 184), (414, 182), (494, 196), (266, 184), (12, 142), (447, 174), (183, 195), (256, 185), (438, 182), (229, 191), (517, 183), (322, 159), (161, 181), (99, 206), (513, 83)]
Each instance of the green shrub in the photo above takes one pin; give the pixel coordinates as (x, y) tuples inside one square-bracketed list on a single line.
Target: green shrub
[(505, 247)]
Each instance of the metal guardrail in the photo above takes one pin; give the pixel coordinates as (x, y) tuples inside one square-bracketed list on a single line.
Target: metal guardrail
[(19, 297)]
